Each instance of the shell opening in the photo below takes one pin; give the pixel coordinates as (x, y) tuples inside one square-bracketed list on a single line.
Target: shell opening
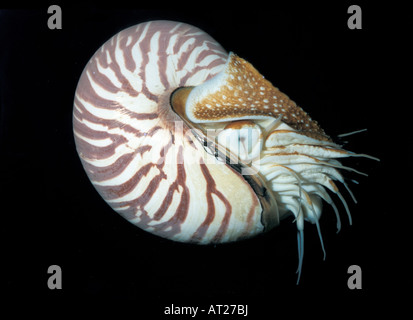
[(253, 124)]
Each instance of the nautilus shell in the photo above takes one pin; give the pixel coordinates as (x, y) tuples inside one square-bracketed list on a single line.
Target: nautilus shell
[(193, 144)]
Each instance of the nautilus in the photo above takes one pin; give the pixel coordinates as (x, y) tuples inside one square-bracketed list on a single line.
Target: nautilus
[(193, 144)]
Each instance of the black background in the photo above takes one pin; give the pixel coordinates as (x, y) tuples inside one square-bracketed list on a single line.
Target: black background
[(51, 214)]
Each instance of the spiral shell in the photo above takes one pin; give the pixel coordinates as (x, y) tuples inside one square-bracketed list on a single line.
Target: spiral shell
[(192, 144)]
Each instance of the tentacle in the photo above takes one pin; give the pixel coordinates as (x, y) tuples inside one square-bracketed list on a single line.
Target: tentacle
[(321, 238), (350, 133), (301, 173), (337, 192), (349, 191), (332, 204), (300, 244)]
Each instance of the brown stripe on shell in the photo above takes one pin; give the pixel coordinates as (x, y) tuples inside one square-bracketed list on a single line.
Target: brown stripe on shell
[(144, 46), (84, 114), (113, 192), (172, 226), (90, 151), (211, 65), (90, 133), (87, 93), (118, 191), (210, 190), (250, 221), (101, 56), (98, 174), (163, 43), (127, 49), (99, 78)]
